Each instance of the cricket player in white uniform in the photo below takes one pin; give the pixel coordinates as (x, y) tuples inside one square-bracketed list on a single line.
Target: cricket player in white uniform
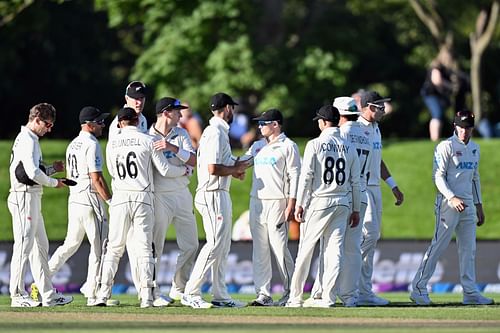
[(328, 186), (173, 203), (215, 166), (25, 205), (87, 212), (458, 207), (372, 110), (353, 133), (130, 158), (276, 168), (135, 98)]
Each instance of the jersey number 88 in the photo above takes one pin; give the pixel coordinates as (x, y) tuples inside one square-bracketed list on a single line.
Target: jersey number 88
[(334, 171)]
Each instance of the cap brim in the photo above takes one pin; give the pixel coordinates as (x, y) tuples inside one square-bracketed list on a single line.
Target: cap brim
[(136, 95), (101, 117), (383, 100), (317, 117), (349, 113)]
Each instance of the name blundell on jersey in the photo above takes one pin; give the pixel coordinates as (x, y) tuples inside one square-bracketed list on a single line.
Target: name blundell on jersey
[(127, 142), (334, 147)]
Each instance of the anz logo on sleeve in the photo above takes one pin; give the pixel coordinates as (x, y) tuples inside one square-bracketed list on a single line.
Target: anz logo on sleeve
[(467, 165), (265, 160), (377, 145), (169, 154)]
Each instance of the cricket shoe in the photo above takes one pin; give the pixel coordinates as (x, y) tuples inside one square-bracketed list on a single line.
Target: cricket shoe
[(420, 299), (262, 300), (477, 300), (293, 304), (60, 299), (162, 301), (91, 301), (35, 293), (100, 301), (112, 302), (229, 303), (282, 301), (24, 301), (372, 300), (317, 303), (350, 303), (147, 303), (175, 295), (196, 302)]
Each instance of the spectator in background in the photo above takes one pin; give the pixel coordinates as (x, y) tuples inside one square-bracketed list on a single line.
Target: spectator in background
[(444, 84), (241, 135), (192, 123)]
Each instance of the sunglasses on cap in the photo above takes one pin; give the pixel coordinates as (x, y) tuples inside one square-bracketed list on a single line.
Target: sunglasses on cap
[(378, 107), (99, 122), (265, 122)]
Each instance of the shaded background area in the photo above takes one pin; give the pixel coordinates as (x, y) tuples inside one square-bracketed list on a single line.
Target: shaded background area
[(294, 55)]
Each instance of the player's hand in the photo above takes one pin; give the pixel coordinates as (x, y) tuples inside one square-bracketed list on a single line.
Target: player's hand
[(58, 166), (299, 214), (458, 204), (354, 220), (480, 215), (398, 195), (163, 145), (60, 183), (241, 166), (289, 213), (239, 175)]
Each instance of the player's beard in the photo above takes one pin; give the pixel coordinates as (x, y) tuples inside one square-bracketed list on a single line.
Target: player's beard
[(229, 118)]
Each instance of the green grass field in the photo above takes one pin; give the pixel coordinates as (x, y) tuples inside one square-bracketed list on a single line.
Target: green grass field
[(410, 162), (447, 315)]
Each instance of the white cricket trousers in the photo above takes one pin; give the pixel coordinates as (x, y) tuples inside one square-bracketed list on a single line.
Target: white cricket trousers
[(371, 234), (87, 215), (448, 220), (351, 263), (30, 244), (325, 217), (216, 209), (270, 232), (177, 208), (130, 212)]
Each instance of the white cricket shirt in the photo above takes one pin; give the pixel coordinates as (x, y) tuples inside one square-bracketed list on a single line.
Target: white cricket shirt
[(373, 172), (330, 168), (130, 157), (83, 155), (455, 169), (214, 148), (26, 148), (276, 168), (179, 137)]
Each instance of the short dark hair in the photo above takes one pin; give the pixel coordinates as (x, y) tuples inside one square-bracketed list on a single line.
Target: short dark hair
[(44, 111)]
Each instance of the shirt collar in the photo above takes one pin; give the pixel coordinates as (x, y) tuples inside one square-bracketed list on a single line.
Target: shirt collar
[(219, 122), (29, 132), (330, 131)]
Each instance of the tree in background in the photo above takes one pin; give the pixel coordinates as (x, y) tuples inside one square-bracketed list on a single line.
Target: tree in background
[(486, 23)]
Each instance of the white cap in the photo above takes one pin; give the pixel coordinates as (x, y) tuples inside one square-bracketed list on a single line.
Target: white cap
[(346, 106)]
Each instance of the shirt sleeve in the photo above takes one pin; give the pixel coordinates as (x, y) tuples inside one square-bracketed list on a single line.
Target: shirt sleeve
[(164, 167), (306, 176), (94, 157), (293, 169), (476, 183), (32, 168), (212, 148), (442, 156), (355, 180)]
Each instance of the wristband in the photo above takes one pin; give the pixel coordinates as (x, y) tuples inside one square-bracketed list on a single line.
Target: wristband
[(391, 182), (183, 155)]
